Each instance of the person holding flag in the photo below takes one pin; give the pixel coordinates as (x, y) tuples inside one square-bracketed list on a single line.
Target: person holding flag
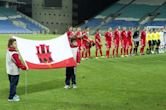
[(13, 66), (71, 71)]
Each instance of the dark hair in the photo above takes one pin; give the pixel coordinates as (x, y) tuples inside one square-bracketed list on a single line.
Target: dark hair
[(97, 30), (72, 40), (10, 41), (86, 27)]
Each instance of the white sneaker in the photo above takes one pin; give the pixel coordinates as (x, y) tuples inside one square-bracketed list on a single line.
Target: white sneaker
[(74, 86), (16, 96), (96, 57), (67, 87), (122, 56), (15, 99)]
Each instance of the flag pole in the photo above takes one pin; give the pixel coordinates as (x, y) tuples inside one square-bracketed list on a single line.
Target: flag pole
[(26, 86), (26, 83)]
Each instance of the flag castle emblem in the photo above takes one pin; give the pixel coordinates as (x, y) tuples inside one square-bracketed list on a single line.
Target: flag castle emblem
[(44, 54)]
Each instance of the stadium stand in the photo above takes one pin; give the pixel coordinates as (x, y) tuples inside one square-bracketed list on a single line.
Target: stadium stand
[(129, 14), (116, 23), (111, 10), (133, 11), (12, 21)]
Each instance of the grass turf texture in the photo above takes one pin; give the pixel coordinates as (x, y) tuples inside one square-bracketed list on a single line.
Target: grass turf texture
[(132, 83)]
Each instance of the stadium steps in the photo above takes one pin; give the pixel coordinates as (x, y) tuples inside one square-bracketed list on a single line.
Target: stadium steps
[(46, 30), (162, 11), (134, 14), (151, 15), (11, 18), (117, 13), (110, 14)]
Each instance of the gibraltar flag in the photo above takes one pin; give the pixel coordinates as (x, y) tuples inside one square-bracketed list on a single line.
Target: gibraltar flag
[(46, 54)]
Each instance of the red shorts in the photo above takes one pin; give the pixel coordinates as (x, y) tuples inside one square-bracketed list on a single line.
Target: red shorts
[(129, 43), (143, 42), (85, 46), (108, 44), (123, 43), (116, 43), (98, 46)]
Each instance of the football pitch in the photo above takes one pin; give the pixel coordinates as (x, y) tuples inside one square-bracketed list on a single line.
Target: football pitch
[(131, 83)]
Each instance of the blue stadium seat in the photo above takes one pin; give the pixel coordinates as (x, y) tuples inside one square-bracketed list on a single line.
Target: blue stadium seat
[(92, 23), (155, 23), (31, 26), (6, 26)]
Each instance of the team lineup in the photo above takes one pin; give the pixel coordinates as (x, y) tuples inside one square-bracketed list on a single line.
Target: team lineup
[(125, 41)]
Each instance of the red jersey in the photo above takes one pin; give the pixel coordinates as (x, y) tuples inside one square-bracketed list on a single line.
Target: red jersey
[(70, 34), (85, 38), (143, 35), (123, 35), (143, 38), (129, 35), (79, 38), (108, 36), (116, 35), (15, 58), (97, 38)]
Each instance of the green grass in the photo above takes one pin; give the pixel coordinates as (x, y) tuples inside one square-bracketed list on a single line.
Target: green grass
[(133, 83)]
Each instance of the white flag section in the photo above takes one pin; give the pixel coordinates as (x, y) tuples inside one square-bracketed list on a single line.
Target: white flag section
[(46, 54)]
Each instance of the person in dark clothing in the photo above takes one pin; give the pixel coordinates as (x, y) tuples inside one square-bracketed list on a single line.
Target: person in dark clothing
[(136, 39)]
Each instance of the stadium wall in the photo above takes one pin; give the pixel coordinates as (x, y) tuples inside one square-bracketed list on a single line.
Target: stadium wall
[(57, 19)]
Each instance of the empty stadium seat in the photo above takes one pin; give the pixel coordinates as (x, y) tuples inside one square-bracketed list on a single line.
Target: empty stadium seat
[(6, 26), (92, 23), (112, 9), (155, 23), (136, 10), (31, 26), (11, 22)]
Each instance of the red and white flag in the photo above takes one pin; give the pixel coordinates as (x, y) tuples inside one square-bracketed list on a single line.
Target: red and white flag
[(46, 54)]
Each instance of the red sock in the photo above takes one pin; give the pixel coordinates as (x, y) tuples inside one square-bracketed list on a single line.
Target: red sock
[(131, 51), (113, 52), (101, 53), (96, 53), (143, 49), (124, 51), (121, 51), (127, 51), (117, 51), (108, 53), (82, 54), (86, 54)]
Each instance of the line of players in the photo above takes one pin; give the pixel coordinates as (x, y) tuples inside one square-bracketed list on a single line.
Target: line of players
[(125, 40)]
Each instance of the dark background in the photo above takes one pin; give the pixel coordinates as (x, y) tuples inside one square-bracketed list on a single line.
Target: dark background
[(89, 8)]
